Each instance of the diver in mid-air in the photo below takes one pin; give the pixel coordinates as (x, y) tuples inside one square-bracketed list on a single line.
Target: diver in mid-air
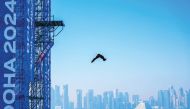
[(99, 56)]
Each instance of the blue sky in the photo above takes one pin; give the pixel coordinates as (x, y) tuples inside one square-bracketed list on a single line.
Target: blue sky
[(147, 44)]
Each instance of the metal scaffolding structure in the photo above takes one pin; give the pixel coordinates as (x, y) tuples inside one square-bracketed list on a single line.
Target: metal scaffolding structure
[(40, 86)]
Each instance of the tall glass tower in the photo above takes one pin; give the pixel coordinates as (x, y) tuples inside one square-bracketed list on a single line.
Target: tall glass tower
[(164, 99), (79, 99), (65, 97)]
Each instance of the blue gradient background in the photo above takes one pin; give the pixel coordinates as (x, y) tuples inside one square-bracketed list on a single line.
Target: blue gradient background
[(146, 42)]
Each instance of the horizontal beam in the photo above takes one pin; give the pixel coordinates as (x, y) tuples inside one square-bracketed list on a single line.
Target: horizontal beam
[(49, 23)]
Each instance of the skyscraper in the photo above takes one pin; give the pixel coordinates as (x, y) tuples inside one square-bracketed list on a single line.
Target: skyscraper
[(188, 99), (52, 98), (99, 103), (57, 96), (90, 99), (85, 102), (173, 98), (152, 101), (126, 100), (135, 100), (164, 99), (79, 99), (108, 99), (65, 97), (121, 101), (105, 100), (181, 98)]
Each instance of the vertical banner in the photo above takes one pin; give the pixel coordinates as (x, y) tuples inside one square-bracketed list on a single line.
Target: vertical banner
[(16, 52), (8, 34)]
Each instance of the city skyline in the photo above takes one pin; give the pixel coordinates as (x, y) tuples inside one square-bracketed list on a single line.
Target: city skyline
[(169, 98), (146, 44)]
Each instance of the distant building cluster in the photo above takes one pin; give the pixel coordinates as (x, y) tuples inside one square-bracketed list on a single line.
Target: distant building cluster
[(166, 99)]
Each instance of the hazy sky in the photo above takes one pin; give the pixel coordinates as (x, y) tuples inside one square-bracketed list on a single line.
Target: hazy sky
[(146, 42)]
